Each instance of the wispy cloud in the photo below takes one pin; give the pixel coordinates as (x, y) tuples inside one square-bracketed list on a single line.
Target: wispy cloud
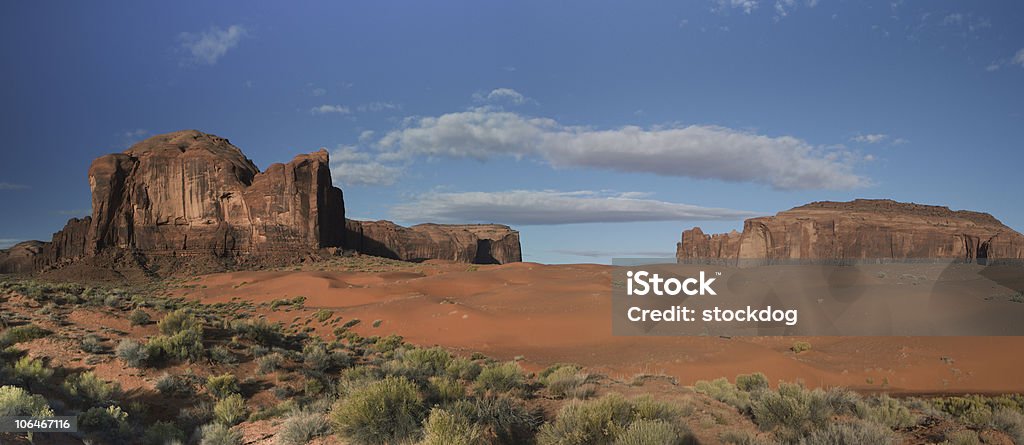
[(502, 94), (870, 138), (130, 137), (350, 166), (207, 47), (747, 6), (697, 151), (379, 106), (549, 207), (10, 186), (1016, 59), (329, 109)]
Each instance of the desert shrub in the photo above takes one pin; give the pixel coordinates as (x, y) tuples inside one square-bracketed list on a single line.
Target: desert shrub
[(161, 433), (647, 432), (315, 357), (605, 420), (444, 389), (111, 420), (222, 355), (20, 334), (173, 385), (389, 410), (177, 321), (419, 364), (849, 433), (89, 387), (890, 412), (31, 370), (389, 343), (186, 344), (322, 315), (463, 369), (1010, 422), (791, 412), (230, 410), (800, 346), (445, 428), (972, 410), (139, 317), (567, 381), (15, 401), (260, 331), (219, 434), (301, 426), (269, 363), (221, 386), (194, 416), (751, 382), (740, 437), (845, 402), (501, 378), (504, 418), (720, 389), (962, 437), (92, 344), (132, 353)]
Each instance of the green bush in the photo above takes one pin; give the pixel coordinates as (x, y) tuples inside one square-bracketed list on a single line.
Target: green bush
[(316, 358), (89, 387), (605, 420), (174, 385), (792, 411), (139, 317), (184, 345), (219, 434), (463, 369), (504, 418), (31, 370), (972, 410), (445, 389), (1010, 422), (20, 334), (720, 389), (222, 355), (230, 410), (800, 346), (322, 315), (111, 420), (161, 433), (651, 432), (302, 426), (890, 412), (260, 331), (269, 363), (132, 353), (445, 428), (15, 401), (178, 321), (567, 381), (419, 364), (92, 344), (751, 382), (849, 433), (221, 386), (386, 411), (501, 378)]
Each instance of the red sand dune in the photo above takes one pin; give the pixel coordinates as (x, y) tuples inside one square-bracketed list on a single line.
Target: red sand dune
[(561, 313)]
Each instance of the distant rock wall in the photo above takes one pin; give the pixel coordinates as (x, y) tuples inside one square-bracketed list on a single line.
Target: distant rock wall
[(21, 257), (860, 229), (469, 243)]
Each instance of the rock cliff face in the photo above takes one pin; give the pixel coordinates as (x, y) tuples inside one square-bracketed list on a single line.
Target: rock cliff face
[(20, 258), (189, 194), (470, 243), (861, 229)]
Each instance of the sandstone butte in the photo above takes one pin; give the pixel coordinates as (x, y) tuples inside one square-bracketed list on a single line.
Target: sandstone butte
[(192, 194), (863, 229)]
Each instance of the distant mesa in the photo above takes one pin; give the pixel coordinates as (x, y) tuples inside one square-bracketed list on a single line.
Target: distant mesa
[(190, 194), (863, 229)]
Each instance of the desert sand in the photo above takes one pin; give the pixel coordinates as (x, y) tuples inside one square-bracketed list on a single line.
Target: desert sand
[(545, 314)]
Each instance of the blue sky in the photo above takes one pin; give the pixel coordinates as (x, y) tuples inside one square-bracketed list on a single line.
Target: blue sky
[(598, 129)]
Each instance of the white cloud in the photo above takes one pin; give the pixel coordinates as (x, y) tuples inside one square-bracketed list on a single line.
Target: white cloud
[(870, 138), (328, 109), (9, 186), (698, 151), (318, 92), (7, 243), (747, 6), (548, 207), (1018, 59), (130, 137), (379, 106), (210, 45), (502, 94), (350, 166), (992, 67), (953, 19)]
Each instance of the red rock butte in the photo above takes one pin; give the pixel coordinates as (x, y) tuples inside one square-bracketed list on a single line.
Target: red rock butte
[(189, 194), (863, 229)]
